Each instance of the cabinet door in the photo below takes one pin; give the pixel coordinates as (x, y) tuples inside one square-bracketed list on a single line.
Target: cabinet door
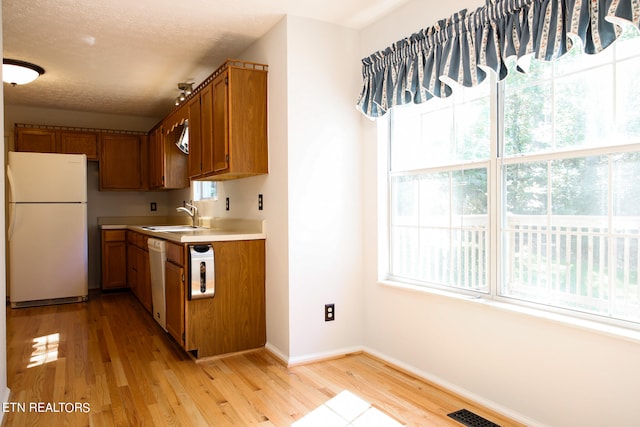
[(144, 280), (206, 129), (247, 104), (195, 138), (79, 143), (120, 162), (221, 123), (234, 319), (156, 161), (36, 140), (175, 300), (114, 259), (132, 268), (240, 316)]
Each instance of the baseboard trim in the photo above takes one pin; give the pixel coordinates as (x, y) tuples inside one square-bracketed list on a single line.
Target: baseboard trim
[(400, 366)]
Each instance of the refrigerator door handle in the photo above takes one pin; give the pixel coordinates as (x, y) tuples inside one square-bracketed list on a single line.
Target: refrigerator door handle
[(12, 206)]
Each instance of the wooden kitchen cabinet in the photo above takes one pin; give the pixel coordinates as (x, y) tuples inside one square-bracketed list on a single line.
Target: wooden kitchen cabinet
[(71, 142), (57, 140), (114, 259), (138, 274), (123, 164), (175, 293), (235, 318), (198, 129), (36, 140), (233, 113), (167, 163), (156, 169)]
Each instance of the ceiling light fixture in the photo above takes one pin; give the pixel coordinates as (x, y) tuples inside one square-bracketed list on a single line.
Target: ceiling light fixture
[(185, 90), (18, 72)]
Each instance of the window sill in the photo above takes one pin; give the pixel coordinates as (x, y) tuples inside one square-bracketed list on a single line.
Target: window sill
[(613, 331)]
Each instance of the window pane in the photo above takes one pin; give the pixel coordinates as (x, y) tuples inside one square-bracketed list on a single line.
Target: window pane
[(626, 224), (527, 117), (472, 129), (450, 246), (628, 97), (583, 108), (526, 187), (626, 191), (562, 255), (579, 187), (435, 200), (405, 201), (442, 131)]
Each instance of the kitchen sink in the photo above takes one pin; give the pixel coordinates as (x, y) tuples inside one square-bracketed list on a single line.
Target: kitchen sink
[(171, 228)]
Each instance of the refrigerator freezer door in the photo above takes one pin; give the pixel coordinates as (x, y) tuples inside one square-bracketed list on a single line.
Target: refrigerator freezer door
[(48, 252), (45, 177)]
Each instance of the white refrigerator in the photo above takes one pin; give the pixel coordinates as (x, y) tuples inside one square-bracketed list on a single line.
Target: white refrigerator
[(47, 232)]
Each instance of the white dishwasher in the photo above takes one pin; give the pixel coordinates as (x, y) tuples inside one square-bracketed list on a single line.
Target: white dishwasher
[(157, 258)]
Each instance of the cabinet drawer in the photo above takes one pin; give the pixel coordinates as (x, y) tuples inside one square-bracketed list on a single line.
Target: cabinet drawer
[(175, 254), (113, 235)]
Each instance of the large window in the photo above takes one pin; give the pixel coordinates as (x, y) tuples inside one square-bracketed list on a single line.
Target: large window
[(527, 189)]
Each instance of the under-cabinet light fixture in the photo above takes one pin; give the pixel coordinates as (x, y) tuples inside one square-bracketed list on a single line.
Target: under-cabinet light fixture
[(186, 90), (16, 72)]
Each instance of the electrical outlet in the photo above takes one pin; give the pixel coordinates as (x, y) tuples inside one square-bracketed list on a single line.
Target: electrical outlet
[(260, 202), (227, 207), (154, 207), (329, 312)]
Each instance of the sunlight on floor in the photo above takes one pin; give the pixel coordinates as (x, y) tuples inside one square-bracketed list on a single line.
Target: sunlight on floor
[(45, 350), (346, 409)]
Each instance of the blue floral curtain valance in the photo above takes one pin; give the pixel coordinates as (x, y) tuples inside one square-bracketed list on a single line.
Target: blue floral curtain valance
[(465, 46)]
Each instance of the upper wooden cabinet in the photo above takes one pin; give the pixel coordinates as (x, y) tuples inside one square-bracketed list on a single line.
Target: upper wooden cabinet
[(57, 140), (36, 140), (233, 127), (196, 132), (167, 163), (123, 164), (79, 143)]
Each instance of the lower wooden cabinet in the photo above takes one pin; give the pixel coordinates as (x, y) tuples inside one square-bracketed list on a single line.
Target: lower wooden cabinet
[(235, 318), (114, 259), (138, 274), (125, 263), (175, 301)]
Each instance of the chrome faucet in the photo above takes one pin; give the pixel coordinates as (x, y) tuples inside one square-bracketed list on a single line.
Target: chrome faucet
[(190, 210)]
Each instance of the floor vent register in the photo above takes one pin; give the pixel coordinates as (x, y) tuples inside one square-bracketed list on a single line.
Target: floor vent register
[(470, 419)]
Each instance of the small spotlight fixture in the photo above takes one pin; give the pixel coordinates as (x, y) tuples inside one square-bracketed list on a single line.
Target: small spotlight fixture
[(185, 90), (16, 72)]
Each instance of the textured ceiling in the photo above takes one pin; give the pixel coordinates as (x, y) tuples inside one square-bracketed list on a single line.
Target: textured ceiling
[(127, 56)]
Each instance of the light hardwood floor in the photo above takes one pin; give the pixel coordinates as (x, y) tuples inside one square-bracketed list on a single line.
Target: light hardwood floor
[(106, 362)]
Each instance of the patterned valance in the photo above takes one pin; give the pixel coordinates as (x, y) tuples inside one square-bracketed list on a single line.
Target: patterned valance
[(464, 47)]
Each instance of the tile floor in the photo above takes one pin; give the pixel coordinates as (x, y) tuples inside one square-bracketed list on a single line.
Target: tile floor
[(346, 409)]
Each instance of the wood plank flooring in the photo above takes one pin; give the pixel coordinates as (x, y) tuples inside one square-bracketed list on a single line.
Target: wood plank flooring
[(107, 363)]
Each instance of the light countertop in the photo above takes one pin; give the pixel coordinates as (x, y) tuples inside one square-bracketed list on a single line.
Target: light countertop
[(218, 230)]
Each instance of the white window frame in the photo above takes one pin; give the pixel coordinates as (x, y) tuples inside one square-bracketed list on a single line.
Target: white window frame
[(197, 190), (495, 267)]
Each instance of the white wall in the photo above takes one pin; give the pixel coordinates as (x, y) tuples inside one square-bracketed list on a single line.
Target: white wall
[(324, 189), (312, 192), (540, 371)]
